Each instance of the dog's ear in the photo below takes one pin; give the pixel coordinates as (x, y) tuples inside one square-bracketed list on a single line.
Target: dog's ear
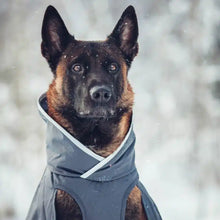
[(55, 37), (125, 34)]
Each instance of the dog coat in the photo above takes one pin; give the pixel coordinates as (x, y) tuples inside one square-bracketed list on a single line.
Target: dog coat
[(99, 185)]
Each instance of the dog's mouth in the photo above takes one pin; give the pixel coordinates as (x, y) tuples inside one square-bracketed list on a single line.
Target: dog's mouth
[(97, 113)]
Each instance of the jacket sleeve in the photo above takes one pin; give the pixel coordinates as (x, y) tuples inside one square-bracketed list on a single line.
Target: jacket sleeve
[(43, 203), (149, 205)]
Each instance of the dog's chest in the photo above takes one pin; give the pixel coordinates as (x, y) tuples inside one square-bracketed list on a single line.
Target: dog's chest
[(105, 200)]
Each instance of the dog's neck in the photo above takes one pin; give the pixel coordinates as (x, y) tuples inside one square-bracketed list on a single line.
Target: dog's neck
[(101, 136), (118, 133)]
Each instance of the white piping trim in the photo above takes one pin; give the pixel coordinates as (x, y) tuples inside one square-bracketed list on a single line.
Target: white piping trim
[(69, 136), (107, 159)]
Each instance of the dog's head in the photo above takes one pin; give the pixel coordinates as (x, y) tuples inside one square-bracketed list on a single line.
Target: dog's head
[(90, 77)]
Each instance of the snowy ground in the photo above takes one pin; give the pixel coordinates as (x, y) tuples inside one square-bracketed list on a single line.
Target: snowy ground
[(176, 117)]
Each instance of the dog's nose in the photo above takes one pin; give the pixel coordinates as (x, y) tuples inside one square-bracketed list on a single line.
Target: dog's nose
[(100, 94)]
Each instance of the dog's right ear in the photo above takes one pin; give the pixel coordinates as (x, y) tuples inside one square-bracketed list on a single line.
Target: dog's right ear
[(55, 37)]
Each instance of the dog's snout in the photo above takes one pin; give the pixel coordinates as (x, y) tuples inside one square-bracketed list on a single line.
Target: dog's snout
[(100, 94)]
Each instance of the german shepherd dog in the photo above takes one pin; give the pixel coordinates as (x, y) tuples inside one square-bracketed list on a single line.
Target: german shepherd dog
[(90, 95)]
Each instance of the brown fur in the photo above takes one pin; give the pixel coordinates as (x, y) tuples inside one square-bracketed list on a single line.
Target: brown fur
[(122, 130), (66, 207), (55, 98), (134, 209)]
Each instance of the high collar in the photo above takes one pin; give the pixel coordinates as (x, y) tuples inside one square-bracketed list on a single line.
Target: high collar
[(67, 156)]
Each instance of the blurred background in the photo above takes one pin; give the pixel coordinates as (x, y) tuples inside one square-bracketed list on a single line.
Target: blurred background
[(176, 78)]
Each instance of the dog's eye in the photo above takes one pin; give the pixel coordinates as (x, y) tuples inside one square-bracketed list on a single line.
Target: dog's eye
[(77, 68), (113, 68)]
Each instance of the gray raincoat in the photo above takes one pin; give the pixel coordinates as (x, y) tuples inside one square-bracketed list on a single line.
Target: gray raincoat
[(99, 185)]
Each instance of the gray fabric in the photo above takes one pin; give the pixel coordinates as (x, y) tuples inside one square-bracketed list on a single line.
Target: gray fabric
[(103, 193)]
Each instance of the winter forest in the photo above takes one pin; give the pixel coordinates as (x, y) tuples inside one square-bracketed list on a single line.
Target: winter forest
[(176, 79)]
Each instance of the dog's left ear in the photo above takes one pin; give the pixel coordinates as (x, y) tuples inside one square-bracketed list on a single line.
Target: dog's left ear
[(125, 34)]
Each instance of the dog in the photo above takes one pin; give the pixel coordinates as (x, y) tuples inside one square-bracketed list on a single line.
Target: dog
[(91, 98)]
